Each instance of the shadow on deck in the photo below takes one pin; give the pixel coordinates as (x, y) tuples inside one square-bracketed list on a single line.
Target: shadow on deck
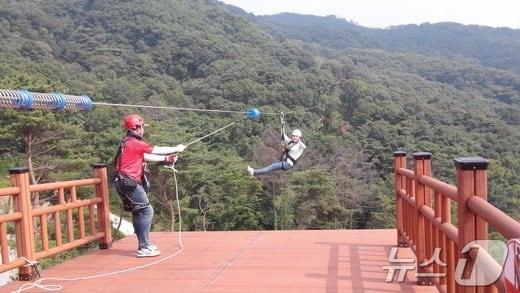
[(244, 261)]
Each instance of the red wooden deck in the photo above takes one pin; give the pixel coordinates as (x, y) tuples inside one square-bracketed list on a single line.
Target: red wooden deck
[(244, 261)]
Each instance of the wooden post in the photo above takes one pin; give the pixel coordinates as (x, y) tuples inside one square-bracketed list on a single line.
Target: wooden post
[(399, 183), (437, 235), (471, 181), (412, 222), (422, 166), (448, 253), (410, 219), (24, 227), (100, 171)]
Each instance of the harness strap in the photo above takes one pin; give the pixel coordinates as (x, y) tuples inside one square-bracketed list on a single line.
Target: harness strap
[(285, 154), (128, 203), (117, 161)]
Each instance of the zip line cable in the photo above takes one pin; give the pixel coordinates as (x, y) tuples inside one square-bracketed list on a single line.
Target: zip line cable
[(202, 110), (23, 99), (167, 108)]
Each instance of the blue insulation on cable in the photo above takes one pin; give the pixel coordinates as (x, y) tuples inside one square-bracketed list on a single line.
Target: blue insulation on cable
[(28, 99), (87, 104), (60, 101), (253, 113), (23, 99)]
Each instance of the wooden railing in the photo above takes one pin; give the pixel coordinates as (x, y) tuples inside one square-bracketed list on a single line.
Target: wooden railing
[(423, 208), (31, 224)]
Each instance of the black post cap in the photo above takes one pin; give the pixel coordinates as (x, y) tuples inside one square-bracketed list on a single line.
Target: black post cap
[(422, 156), (99, 165), (399, 154), (471, 163), (18, 170)]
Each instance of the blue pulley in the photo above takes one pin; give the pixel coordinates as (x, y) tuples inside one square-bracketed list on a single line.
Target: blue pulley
[(253, 113)]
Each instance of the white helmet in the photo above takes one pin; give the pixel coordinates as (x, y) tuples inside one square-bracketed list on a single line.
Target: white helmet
[(297, 132)]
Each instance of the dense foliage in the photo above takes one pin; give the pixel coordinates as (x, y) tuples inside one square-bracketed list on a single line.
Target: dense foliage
[(205, 54), (494, 47)]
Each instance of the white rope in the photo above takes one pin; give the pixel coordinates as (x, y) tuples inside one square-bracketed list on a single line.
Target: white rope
[(220, 129), (52, 287)]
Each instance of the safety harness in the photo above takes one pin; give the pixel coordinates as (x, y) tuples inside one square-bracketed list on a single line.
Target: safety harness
[(287, 146), (126, 185), (285, 154)]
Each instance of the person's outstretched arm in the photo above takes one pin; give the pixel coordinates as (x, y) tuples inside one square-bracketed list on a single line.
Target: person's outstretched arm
[(286, 138), (160, 158), (154, 158), (160, 154), (157, 150)]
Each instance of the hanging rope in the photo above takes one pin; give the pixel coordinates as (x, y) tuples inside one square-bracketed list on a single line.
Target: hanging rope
[(120, 221), (282, 123), (210, 134)]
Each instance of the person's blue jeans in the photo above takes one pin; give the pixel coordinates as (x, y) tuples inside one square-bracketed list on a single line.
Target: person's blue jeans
[(142, 217), (274, 167)]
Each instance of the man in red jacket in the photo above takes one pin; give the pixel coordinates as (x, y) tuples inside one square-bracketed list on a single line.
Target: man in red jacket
[(131, 183)]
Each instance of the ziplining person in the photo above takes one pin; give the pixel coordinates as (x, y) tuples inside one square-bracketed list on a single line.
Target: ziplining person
[(131, 183), (293, 148)]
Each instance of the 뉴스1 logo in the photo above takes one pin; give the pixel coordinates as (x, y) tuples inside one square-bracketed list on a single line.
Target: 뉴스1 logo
[(488, 258)]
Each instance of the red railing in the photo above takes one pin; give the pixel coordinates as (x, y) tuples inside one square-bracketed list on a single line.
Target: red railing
[(28, 220), (423, 206)]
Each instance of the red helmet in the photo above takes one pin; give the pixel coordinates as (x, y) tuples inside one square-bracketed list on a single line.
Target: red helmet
[(134, 121)]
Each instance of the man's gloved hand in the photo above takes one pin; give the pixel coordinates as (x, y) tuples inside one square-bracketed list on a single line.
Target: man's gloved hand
[(170, 159), (181, 147)]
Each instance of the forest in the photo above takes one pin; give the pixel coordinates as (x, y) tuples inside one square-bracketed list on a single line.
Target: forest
[(449, 89)]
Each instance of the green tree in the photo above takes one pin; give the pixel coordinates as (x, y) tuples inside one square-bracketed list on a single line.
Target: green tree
[(316, 205)]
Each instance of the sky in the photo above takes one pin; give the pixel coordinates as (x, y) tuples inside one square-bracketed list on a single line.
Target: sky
[(384, 13)]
